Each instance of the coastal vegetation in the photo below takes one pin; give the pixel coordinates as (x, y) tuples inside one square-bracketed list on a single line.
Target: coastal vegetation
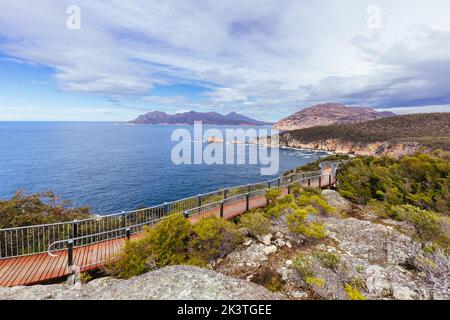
[(431, 130), (174, 240), (422, 180), (414, 189), (39, 208)]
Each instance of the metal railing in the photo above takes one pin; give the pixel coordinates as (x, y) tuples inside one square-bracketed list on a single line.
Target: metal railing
[(29, 240)]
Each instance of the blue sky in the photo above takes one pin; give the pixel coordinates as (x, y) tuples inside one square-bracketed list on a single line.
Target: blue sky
[(266, 58)]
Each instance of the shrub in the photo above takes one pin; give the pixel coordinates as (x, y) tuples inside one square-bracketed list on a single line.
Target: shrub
[(272, 195), (39, 208), (213, 238), (422, 180), (164, 244), (255, 222), (303, 265), (353, 293), (426, 223), (297, 224), (319, 282), (316, 201), (329, 260)]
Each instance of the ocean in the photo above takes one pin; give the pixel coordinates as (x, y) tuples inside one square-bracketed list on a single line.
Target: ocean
[(112, 167)]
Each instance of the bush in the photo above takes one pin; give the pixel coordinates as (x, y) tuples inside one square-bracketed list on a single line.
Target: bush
[(255, 222), (39, 208), (297, 223), (426, 223), (272, 195), (422, 180), (303, 265), (329, 260), (353, 293), (213, 238), (164, 244)]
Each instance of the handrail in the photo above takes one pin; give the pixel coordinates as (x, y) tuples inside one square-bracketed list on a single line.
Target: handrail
[(36, 238)]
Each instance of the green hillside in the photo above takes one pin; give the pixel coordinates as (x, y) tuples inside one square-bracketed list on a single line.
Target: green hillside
[(431, 129)]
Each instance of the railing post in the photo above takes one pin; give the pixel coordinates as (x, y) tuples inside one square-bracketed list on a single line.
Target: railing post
[(124, 220), (70, 257), (166, 208), (329, 182), (75, 230), (225, 193), (279, 181), (320, 182), (309, 182), (199, 200), (268, 184), (247, 198), (249, 186), (128, 233), (289, 188), (186, 214), (221, 209)]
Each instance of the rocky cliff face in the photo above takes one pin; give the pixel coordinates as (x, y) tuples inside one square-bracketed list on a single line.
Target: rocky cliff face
[(327, 114), (387, 148)]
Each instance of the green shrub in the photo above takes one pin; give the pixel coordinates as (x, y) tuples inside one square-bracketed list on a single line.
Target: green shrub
[(255, 222), (272, 195), (303, 265), (422, 180), (39, 208), (426, 223), (297, 223), (316, 201), (319, 282), (353, 293), (164, 244), (329, 260), (213, 238)]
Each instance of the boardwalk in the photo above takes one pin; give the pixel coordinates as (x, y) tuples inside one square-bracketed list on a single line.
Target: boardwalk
[(41, 267)]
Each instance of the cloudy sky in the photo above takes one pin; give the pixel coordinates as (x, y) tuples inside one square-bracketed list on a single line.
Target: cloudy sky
[(266, 59)]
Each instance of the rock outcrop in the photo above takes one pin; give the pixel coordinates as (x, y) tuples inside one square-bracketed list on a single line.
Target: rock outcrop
[(169, 283), (386, 148), (327, 114)]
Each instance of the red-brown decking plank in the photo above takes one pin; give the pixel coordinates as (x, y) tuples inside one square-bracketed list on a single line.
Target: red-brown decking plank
[(34, 266), (52, 266), (42, 264), (59, 268), (20, 272), (8, 268)]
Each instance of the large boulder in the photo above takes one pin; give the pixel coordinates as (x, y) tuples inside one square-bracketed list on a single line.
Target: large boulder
[(169, 283)]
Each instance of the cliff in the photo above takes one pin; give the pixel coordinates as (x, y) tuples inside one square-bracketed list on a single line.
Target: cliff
[(327, 114), (393, 136)]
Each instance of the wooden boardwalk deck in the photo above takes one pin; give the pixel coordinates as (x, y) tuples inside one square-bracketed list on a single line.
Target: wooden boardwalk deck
[(40, 268)]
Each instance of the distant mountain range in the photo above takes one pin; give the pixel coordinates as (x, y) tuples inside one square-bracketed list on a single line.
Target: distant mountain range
[(188, 118), (328, 114)]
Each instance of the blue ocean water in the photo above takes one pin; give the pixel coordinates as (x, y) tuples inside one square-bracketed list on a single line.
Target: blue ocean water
[(112, 167)]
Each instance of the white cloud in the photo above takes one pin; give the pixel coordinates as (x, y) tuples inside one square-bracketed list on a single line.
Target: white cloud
[(266, 55)]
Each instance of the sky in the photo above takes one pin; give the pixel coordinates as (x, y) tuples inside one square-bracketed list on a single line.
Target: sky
[(84, 60)]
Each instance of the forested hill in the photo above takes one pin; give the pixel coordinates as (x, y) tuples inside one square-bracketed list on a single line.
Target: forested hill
[(430, 130)]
